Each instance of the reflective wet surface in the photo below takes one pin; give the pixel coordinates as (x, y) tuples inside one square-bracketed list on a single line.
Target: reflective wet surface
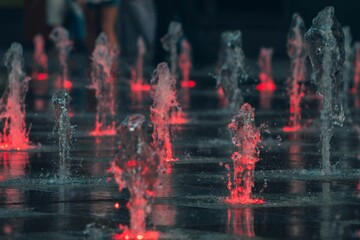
[(300, 202)]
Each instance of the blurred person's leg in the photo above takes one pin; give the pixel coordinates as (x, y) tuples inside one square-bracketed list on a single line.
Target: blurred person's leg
[(78, 23), (165, 14), (143, 15), (55, 12), (91, 26), (108, 23), (129, 34)]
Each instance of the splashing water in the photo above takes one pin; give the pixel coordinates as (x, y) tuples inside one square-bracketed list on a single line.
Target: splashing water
[(222, 54), (102, 81), (137, 76), (356, 67), (60, 37), (40, 65), (347, 69), (164, 95), (61, 100), (265, 75), (185, 64), (297, 54), (169, 42), (246, 138), (325, 47), (233, 71), (136, 167), (14, 134)]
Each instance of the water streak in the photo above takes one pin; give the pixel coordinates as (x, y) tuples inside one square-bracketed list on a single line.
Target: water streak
[(325, 47), (233, 70), (136, 167), (40, 59), (61, 100), (169, 42), (164, 95), (61, 38), (102, 81), (14, 134), (246, 137), (297, 53), (265, 75)]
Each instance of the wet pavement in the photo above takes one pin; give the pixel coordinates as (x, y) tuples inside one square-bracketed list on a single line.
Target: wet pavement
[(301, 203)]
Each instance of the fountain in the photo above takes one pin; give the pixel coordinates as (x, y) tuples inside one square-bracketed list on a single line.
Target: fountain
[(325, 46), (164, 95), (136, 167), (14, 134), (222, 54), (233, 71), (169, 42), (40, 65), (137, 78), (297, 53), (61, 100), (347, 69), (185, 64), (102, 81), (356, 67), (265, 75), (246, 137), (60, 37)]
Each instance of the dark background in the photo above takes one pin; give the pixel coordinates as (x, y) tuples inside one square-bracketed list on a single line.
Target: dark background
[(263, 22)]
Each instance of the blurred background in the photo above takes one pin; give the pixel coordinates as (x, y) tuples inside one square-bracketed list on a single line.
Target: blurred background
[(262, 22)]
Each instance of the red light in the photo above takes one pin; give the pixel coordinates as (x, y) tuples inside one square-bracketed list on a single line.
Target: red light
[(107, 132), (291, 129), (245, 201), (269, 86), (117, 205), (140, 87), (42, 76), (131, 163), (188, 84), (67, 84)]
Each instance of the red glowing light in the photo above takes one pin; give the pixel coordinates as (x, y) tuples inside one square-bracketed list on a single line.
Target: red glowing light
[(11, 147), (266, 86), (67, 84), (117, 205), (222, 98), (291, 128), (246, 201), (171, 160), (127, 235), (131, 163), (110, 131), (358, 186), (7, 229), (140, 87), (42, 76), (188, 84), (178, 118), (98, 133)]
